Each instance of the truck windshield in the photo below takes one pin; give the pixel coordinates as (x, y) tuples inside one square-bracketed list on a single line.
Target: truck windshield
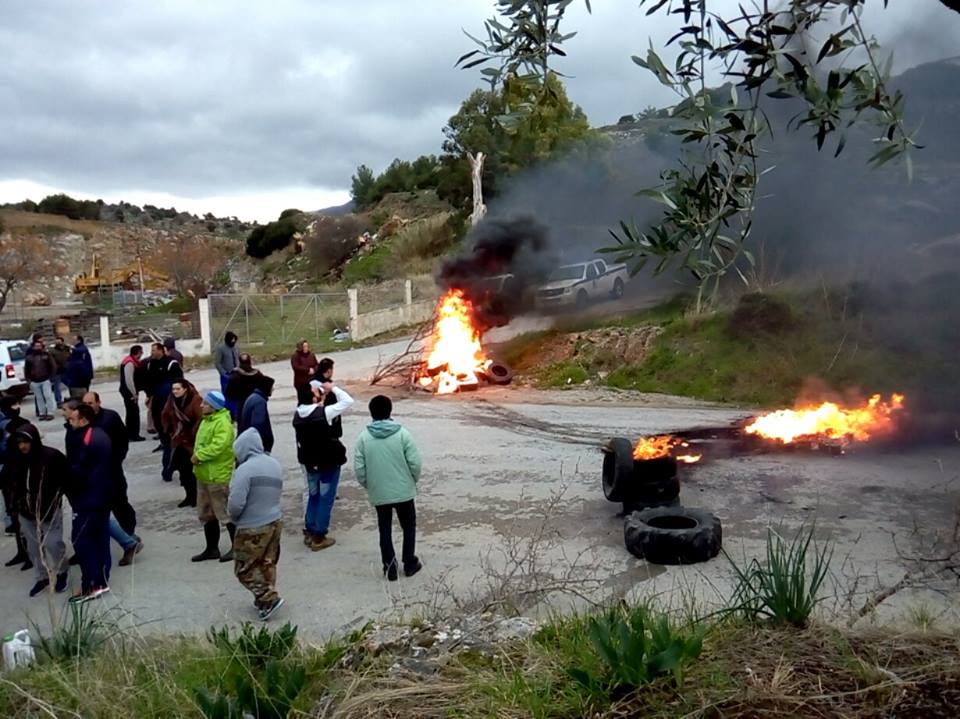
[(570, 272)]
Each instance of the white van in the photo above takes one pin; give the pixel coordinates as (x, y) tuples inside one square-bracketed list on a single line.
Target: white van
[(12, 354)]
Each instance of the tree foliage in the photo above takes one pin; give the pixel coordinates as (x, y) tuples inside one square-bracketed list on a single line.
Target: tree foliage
[(193, 263), (24, 257), (367, 190), (267, 239), (67, 206), (711, 193)]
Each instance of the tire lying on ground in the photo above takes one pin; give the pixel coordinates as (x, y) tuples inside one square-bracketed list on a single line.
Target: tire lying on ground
[(618, 469), (629, 507), (653, 470), (499, 373), (652, 493), (673, 535)]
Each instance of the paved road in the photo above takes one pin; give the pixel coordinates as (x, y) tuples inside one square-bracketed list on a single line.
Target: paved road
[(495, 461)]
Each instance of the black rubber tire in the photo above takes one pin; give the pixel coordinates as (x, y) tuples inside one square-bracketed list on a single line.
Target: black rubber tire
[(652, 493), (583, 299), (629, 507), (677, 535), (654, 470), (618, 288), (618, 469), (499, 373)]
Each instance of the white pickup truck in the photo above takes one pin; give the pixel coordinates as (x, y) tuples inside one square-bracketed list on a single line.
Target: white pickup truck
[(581, 283)]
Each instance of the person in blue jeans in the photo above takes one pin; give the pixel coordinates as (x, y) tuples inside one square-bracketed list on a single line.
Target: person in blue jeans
[(318, 430)]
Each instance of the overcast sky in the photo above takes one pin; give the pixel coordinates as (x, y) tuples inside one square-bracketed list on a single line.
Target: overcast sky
[(246, 108)]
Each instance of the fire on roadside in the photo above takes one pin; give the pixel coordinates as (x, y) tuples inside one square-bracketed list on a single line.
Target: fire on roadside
[(455, 356), (829, 421), (662, 446)]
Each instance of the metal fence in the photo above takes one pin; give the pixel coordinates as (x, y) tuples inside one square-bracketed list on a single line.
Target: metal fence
[(272, 324)]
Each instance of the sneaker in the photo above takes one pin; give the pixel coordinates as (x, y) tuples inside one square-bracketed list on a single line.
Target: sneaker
[(19, 558), (98, 592), (89, 595), (390, 571), (61, 584), (187, 502), (26, 565), (138, 439), (267, 612), (39, 587), (409, 571), (73, 561), (129, 553), (228, 557), (318, 543), (205, 555)]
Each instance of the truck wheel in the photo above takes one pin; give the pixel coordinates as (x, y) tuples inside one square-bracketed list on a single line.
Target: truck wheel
[(582, 299), (676, 535), (617, 289), (617, 469)]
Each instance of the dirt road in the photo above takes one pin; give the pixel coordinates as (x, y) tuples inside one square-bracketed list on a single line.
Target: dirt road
[(494, 461)]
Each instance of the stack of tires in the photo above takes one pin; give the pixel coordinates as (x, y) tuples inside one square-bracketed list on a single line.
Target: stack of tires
[(656, 528)]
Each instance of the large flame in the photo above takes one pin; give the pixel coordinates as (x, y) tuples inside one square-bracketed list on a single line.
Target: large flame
[(829, 421), (662, 446), (455, 356)]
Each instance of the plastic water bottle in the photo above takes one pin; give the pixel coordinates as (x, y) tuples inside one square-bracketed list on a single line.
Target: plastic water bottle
[(17, 650)]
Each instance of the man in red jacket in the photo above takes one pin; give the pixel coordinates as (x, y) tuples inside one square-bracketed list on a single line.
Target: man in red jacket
[(304, 363)]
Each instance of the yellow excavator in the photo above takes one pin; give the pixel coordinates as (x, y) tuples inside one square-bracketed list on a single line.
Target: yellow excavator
[(135, 276)]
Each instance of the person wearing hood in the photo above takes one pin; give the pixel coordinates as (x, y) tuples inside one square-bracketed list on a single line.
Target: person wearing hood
[(254, 413), (241, 383), (226, 358), (213, 464), (11, 420), (387, 464), (318, 430), (90, 491), (39, 479), (254, 507), (181, 420), (79, 371)]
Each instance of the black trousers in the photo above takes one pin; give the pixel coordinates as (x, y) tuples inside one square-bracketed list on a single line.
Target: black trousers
[(180, 463), (91, 542), (120, 504), (132, 419), (407, 514)]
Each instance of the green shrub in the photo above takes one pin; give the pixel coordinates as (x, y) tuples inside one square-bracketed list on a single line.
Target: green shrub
[(289, 213), (267, 239), (252, 647), (785, 588), (80, 632), (635, 647), (563, 374), (759, 313)]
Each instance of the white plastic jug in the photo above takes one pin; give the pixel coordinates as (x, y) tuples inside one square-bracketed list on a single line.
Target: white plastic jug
[(17, 650)]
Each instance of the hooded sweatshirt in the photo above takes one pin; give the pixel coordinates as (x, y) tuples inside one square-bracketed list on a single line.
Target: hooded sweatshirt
[(255, 414), (39, 478), (256, 484), (387, 463), (214, 448)]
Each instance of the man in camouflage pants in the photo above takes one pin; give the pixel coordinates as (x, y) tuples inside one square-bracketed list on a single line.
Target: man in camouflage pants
[(254, 506)]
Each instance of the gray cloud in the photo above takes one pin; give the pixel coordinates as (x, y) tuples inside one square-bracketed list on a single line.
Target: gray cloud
[(220, 98)]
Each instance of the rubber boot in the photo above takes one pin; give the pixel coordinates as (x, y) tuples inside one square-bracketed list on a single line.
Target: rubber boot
[(21, 557), (211, 531), (231, 530)]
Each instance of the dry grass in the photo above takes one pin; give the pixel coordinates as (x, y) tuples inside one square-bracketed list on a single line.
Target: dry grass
[(18, 219)]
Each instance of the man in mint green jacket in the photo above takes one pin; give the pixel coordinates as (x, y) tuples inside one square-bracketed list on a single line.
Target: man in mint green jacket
[(213, 467), (387, 464)]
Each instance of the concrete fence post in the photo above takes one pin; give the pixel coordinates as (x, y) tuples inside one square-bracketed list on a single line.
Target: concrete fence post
[(354, 313), (104, 331), (408, 292), (206, 325)]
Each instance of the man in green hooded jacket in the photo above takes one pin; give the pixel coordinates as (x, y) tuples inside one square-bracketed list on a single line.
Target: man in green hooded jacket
[(387, 464), (213, 467)]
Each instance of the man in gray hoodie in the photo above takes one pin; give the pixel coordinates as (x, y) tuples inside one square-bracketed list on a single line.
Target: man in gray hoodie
[(254, 507)]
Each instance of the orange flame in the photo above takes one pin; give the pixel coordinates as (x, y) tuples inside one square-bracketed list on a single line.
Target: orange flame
[(689, 458), (455, 355), (829, 421), (654, 447)]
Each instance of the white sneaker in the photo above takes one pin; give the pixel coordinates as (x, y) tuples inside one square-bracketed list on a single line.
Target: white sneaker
[(265, 614)]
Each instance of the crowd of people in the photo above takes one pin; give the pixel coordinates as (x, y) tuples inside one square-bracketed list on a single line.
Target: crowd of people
[(219, 442)]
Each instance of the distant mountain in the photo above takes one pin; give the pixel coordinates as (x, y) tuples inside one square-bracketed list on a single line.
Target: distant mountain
[(336, 211)]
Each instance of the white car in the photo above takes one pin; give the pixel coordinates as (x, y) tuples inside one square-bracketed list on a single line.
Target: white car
[(580, 283), (12, 354)]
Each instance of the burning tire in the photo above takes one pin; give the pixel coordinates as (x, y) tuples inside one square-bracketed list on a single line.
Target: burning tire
[(618, 478), (649, 471), (653, 493), (499, 373), (676, 535)]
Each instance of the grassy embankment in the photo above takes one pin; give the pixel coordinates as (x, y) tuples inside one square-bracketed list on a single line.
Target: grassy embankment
[(764, 655), (764, 349)]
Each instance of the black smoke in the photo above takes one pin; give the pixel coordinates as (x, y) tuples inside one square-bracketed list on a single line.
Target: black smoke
[(504, 260)]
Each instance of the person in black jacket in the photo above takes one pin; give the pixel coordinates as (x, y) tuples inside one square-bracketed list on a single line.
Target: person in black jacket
[(11, 421), (164, 370), (90, 491), (319, 449), (39, 479), (256, 414), (111, 423)]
